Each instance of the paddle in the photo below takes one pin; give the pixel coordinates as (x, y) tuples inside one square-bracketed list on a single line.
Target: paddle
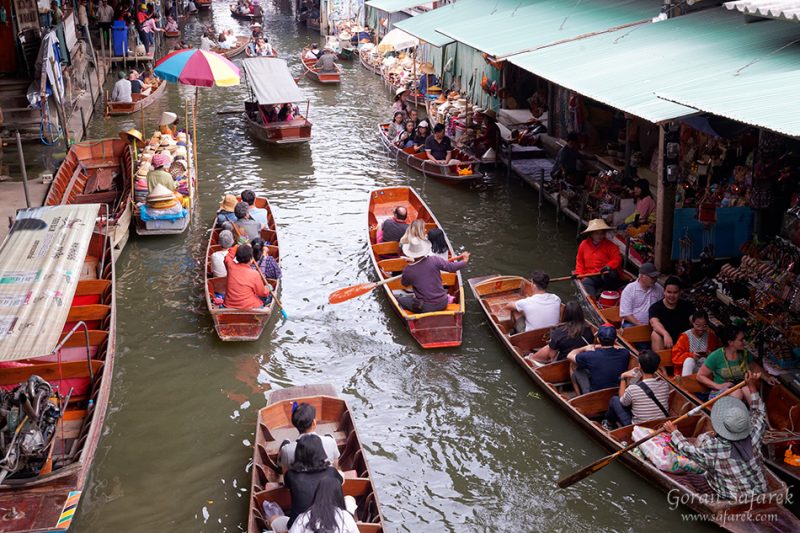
[(577, 276), (348, 293), (605, 461), (274, 296)]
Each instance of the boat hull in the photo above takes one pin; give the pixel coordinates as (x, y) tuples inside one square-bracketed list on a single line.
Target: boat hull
[(296, 132), (326, 78), (238, 49), (127, 108)]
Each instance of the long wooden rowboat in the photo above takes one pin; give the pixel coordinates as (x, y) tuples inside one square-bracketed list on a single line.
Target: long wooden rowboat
[(297, 131), (139, 101), (467, 170), (333, 418), (239, 15), (240, 324), (597, 313), (316, 73), (494, 292), (363, 57), (98, 172), (441, 329), (78, 365), (241, 45)]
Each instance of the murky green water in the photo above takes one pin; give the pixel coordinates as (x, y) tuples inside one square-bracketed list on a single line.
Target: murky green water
[(457, 440)]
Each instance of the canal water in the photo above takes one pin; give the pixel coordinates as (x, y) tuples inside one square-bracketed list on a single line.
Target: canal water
[(457, 440)]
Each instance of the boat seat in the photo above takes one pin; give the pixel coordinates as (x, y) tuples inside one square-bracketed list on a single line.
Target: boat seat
[(529, 341), (279, 435), (593, 404), (611, 314), (449, 279), (269, 236), (96, 198), (666, 361), (78, 339), (386, 248), (392, 265), (429, 226), (451, 308), (690, 384), (51, 372), (635, 334), (273, 251), (88, 312)]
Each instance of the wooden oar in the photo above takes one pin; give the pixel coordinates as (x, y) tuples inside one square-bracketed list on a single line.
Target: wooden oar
[(577, 276), (274, 296), (605, 461)]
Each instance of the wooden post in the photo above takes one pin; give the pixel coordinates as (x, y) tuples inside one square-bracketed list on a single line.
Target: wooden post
[(665, 210), (143, 130), (83, 123), (24, 170)]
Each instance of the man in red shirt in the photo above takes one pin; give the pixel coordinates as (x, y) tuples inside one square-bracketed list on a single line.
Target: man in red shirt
[(596, 254), (246, 289)]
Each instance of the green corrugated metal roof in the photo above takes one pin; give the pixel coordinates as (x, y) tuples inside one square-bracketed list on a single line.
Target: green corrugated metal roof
[(544, 22), (424, 26), (627, 68), (393, 6)]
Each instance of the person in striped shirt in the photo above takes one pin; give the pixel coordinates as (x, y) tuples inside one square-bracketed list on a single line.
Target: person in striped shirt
[(645, 399)]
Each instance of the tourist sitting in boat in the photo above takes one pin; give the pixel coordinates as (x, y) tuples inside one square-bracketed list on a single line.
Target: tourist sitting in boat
[(727, 366), (136, 84), (424, 274), (414, 230), (439, 147), (643, 396), (405, 138), (598, 259), (246, 225), (122, 91), (639, 295), (438, 243), (158, 175), (670, 316), (257, 213), (191, 8), (308, 470), (207, 40), (596, 367), (255, 28), (286, 113), (571, 334), (393, 229), (421, 135), (693, 345), (244, 288), (313, 52), (413, 116), (265, 262), (226, 209), (326, 62), (225, 241), (261, 48), (172, 25), (168, 123), (304, 419), (224, 42), (329, 511), (397, 126), (541, 309), (730, 457), (400, 104)]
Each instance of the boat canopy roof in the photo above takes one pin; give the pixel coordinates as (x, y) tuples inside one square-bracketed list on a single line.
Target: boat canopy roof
[(40, 264), (270, 80)]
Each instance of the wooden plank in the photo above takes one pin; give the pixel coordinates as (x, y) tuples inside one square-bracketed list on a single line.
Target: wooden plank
[(78, 339), (88, 312), (48, 371), (301, 391), (92, 286)]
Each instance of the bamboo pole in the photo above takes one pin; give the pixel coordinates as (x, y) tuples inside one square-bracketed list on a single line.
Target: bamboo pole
[(194, 137), (24, 170)]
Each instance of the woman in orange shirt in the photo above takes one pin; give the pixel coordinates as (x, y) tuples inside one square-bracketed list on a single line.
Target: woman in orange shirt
[(693, 345)]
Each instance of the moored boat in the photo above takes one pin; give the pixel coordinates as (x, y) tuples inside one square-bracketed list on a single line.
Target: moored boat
[(138, 102), (98, 172), (333, 418), (467, 168), (316, 73), (368, 58), (440, 329), (495, 292), (58, 323), (240, 324), (271, 84), (238, 48)]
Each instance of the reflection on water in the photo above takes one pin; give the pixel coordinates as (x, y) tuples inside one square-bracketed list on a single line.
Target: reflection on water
[(457, 440)]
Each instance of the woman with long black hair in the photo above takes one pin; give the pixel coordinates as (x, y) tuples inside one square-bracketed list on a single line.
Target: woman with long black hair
[(327, 514)]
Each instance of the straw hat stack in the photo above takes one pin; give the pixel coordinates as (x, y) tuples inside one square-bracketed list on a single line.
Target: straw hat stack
[(161, 198)]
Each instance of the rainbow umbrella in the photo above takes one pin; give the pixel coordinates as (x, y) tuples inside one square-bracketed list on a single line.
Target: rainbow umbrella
[(200, 68)]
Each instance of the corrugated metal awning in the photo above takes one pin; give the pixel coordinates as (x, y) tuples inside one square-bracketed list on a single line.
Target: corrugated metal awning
[(777, 9), (712, 61), (40, 264), (271, 81), (424, 26), (393, 6), (534, 24)]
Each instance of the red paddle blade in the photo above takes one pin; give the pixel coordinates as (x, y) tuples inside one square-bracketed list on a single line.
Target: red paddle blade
[(348, 293)]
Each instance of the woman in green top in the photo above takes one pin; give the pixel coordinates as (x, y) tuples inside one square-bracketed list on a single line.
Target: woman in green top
[(727, 366)]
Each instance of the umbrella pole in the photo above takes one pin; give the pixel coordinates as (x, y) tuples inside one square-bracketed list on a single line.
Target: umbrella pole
[(194, 137)]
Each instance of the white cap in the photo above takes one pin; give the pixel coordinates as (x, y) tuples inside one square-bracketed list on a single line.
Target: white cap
[(167, 118)]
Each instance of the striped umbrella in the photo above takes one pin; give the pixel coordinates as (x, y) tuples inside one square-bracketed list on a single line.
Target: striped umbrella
[(200, 68)]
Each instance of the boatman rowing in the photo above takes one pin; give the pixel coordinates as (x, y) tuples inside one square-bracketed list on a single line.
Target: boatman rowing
[(597, 255), (424, 274)]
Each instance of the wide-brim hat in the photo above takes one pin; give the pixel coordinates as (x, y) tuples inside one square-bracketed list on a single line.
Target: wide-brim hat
[(228, 203), (399, 91), (181, 136), (597, 224), (731, 419), (167, 118), (180, 151), (159, 193), (159, 160), (132, 133), (417, 248), (427, 68)]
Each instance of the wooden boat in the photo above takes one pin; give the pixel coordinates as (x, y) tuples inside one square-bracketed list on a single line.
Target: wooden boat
[(270, 83), (312, 24), (76, 361), (238, 15), (597, 313), (241, 45), (250, 54), (98, 172), (139, 102), (172, 34), (203, 4), (333, 418), (240, 324), (363, 57), (317, 74), (494, 292), (467, 170), (441, 329)]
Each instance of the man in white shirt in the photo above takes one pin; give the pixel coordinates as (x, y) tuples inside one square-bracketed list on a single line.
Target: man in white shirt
[(639, 295), (542, 309), (225, 240), (258, 214), (122, 89), (313, 52), (304, 419)]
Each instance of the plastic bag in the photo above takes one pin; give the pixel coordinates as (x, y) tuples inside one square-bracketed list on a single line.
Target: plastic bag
[(661, 454)]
